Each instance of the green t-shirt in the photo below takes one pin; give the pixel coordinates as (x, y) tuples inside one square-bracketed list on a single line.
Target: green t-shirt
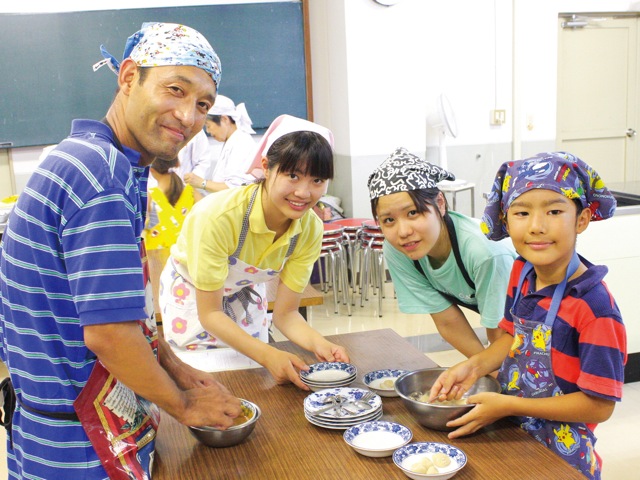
[(488, 263)]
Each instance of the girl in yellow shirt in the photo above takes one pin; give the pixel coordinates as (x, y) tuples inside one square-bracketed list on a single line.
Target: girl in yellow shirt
[(212, 290)]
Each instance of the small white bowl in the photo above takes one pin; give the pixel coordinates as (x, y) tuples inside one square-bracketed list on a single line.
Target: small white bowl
[(377, 438), (407, 456), (378, 380)]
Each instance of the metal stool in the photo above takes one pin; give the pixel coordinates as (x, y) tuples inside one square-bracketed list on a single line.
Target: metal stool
[(352, 226), (333, 262), (372, 267), (456, 186)]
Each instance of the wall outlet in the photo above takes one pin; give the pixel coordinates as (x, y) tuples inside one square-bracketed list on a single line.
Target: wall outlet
[(498, 117)]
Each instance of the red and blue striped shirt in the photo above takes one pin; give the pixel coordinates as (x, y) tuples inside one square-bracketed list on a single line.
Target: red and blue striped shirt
[(589, 341)]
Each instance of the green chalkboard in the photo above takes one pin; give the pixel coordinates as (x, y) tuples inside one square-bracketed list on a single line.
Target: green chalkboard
[(46, 79)]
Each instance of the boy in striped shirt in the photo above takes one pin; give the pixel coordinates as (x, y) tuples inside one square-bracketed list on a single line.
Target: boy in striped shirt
[(562, 364)]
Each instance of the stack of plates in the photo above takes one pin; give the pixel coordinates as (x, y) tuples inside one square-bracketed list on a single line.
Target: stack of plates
[(328, 374), (337, 419)]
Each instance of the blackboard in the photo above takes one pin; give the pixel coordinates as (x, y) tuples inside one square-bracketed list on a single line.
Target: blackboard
[(46, 76)]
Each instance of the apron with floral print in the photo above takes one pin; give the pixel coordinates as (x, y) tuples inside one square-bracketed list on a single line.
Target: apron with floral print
[(244, 298), (527, 372)]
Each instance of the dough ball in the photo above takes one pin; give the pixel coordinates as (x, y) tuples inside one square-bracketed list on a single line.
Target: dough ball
[(441, 459), (422, 466), (432, 470), (388, 384)]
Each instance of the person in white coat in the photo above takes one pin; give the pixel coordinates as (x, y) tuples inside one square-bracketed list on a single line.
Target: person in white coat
[(230, 124), (196, 157)]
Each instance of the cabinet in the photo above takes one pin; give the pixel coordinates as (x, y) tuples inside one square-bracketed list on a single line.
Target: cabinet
[(614, 243)]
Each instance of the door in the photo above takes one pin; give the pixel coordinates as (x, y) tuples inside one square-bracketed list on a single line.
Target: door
[(598, 95)]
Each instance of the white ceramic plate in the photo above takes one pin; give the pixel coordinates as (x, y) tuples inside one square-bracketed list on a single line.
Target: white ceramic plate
[(320, 399), (347, 419), (332, 426), (329, 372), (317, 388)]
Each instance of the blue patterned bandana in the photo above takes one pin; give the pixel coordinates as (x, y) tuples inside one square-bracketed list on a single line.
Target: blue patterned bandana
[(559, 172), (167, 44), (404, 172)]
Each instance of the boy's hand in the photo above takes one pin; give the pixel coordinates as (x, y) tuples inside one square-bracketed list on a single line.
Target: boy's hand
[(489, 407), (454, 382)]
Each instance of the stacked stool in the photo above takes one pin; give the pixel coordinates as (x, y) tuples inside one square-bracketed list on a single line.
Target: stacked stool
[(371, 262), (352, 228), (333, 263)]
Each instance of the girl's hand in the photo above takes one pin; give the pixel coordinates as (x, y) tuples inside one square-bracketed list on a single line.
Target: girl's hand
[(285, 368), (489, 407), (330, 352)]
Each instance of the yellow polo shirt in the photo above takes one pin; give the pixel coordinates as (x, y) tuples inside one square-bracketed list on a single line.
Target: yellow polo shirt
[(211, 232)]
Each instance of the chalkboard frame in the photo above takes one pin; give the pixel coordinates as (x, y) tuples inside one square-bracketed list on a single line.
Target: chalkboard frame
[(47, 79)]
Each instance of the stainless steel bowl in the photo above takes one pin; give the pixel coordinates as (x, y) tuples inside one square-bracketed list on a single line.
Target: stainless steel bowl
[(234, 435), (431, 415)]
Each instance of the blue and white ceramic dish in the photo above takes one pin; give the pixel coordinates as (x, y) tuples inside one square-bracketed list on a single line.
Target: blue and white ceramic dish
[(322, 398), (328, 373), (383, 381), (343, 424), (377, 438), (408, 456)]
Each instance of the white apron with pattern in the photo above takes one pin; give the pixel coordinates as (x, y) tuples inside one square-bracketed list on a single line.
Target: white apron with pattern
[(244, 299)]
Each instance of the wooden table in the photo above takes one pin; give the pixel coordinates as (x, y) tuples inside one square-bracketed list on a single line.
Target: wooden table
[(284, 445)]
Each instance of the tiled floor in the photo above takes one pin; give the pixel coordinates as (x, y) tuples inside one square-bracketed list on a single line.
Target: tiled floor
[(618, 439)]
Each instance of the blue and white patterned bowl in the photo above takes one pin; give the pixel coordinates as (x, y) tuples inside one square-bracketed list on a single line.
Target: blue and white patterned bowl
[(377, 438), (328, 373), (378, 379), (408, 456)]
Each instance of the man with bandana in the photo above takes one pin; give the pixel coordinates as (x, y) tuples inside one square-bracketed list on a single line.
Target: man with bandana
[(78, 336)]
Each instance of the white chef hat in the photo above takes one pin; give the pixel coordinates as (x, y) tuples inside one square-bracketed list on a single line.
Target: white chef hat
[(225, 106), (281, 126)]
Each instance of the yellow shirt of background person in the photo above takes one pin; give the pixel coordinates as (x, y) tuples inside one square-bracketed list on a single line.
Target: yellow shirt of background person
[(211, 231), (170, 218)]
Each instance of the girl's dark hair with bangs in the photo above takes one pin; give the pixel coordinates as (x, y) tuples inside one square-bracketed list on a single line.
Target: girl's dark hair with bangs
[(306, 152), (422, 199)]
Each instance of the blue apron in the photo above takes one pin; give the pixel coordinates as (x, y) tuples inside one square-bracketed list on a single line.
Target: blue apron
[(527, 372)]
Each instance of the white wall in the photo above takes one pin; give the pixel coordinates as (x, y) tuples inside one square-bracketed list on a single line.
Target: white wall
[(377, 77)]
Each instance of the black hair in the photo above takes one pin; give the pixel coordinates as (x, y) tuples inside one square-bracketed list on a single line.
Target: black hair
[(305, 152), (422, 199), (579, 206), (142, 74), (217, 119), (176, 186)]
